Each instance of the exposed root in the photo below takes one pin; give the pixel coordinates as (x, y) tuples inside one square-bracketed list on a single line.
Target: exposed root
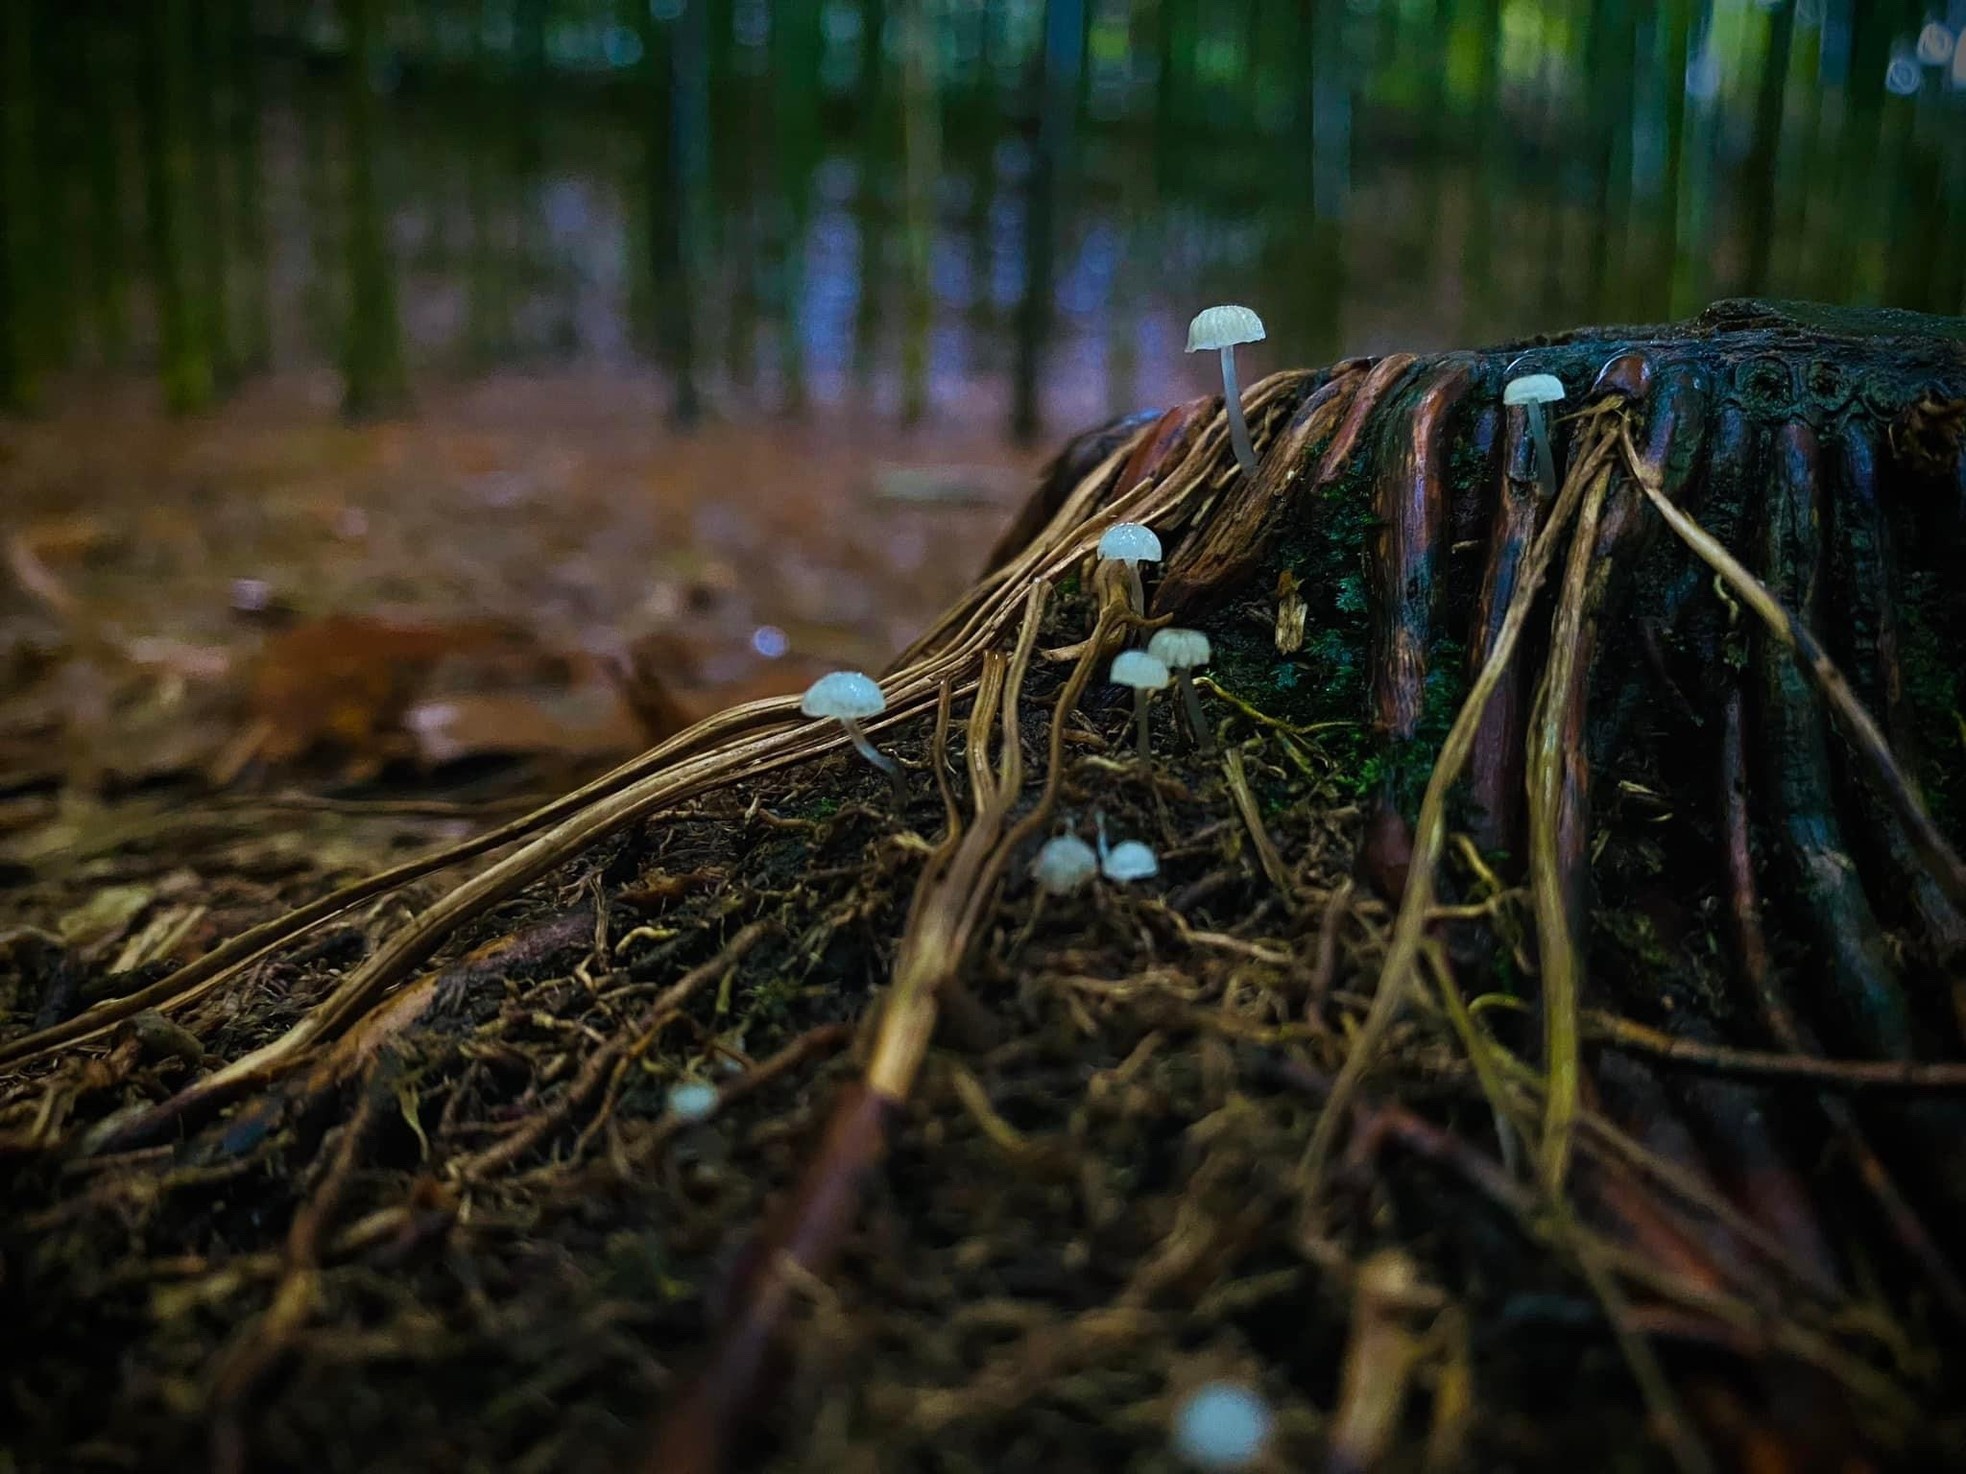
[(1880, 765), (1430, 831), (1559, 776)]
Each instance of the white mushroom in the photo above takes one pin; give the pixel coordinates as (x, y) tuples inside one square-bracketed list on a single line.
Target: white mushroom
[(1936, 43), (1129, 860), (1146, 675), (1222, 1426), (693, 1100), (1181, 651), (1224, 327), (1531, 392), (851, 698), (1064, 864), (1131, 544)]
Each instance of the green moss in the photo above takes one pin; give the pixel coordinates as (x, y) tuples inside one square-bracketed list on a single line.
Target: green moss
[(1328, 680), (1636, 936)]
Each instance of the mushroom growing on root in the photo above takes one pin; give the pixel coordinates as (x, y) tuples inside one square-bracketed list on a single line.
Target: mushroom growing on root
[(1182, 651), (1146, 675), (1224, 327), (850, 697), (1530, 393), (1131, 544)]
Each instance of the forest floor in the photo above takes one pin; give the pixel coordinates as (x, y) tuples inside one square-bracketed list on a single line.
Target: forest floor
[(529, 567), (1097, 1202)]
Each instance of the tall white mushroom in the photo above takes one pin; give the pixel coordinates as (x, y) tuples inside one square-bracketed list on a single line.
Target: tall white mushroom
[(1532, 392), (1132, 544), (1181, 651), (851, 698), (1224, 327), (1146, 675)]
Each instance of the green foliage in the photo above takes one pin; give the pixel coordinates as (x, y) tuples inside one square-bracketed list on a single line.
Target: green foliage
[(1243, 140)]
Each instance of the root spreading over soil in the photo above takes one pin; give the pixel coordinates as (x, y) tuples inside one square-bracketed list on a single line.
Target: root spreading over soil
[(1541, 1044)]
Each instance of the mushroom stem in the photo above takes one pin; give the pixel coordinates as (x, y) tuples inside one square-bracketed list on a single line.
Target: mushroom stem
[(1139, 590), (1238, 426), (1140, 721), (1539, 440), (878, 758), (1197, 723)]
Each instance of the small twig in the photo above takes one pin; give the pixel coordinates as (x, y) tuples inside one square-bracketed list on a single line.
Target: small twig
[(246, 1361), (1263, 718), (1324, 967), (939, 760), (1266, 850), (1780, 1069)]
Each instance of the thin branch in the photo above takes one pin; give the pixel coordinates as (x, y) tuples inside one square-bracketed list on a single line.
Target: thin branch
[(1772, 1068)]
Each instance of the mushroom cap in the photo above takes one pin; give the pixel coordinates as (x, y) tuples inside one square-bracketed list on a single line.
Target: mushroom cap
[(1064, 864), (1533, 389), (1179, 649), (843, 693), (692, 1100), (1129, 542), (1138, 669), (1222, 1425), (1224, 327), (1129, 860)]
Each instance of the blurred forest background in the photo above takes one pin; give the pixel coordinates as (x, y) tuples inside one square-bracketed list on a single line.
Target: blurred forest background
[(710, 343), (939, 207)]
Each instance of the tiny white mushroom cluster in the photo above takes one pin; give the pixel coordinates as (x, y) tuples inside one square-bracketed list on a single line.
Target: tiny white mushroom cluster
[(1065, 862), (1170, 657)]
